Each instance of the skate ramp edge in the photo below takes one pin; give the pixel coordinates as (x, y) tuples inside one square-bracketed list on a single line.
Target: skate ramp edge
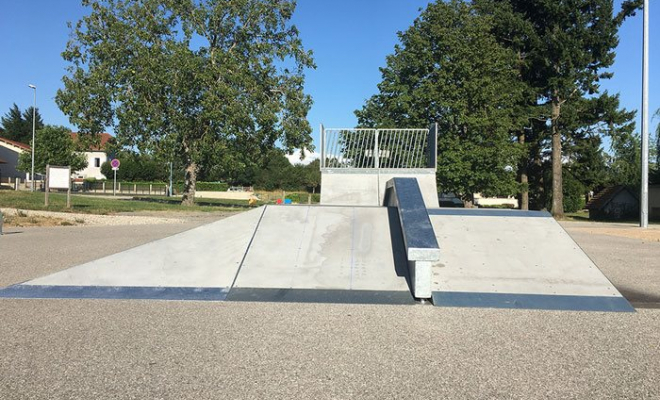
[(515, 259)]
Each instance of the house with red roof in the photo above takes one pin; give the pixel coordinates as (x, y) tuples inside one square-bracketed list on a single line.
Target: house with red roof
[(10, 150), (96, 155)]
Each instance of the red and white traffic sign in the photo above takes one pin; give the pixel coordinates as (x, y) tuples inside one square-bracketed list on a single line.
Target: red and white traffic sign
[(115, 164)]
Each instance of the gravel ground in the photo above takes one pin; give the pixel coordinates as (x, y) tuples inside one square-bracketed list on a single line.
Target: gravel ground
[(95, 219), (84, 349)]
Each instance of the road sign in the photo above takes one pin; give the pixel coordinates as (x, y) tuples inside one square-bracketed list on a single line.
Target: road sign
[(115, 164)]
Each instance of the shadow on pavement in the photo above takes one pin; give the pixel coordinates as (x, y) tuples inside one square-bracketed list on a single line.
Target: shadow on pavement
[(639, 298)]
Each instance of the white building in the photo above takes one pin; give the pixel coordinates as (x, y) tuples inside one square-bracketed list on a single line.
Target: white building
[(96, 156), (10, 150)]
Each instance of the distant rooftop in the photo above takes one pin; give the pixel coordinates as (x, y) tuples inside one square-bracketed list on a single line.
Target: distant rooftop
[(105, 138), (15, 143)]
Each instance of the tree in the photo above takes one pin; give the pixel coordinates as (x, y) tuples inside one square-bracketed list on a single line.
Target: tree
[(13, 124), (27, 123), (192, 80), (566, 51), (18, 126), (54, 147), (450, 69), (313, 175), (276, 172), (137, 168)]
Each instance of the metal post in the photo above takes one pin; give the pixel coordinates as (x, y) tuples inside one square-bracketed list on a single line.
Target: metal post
[(114, 184), (47, 185), (34, 120), (322, 146), (644, 206), (170, 188), (376, 154)]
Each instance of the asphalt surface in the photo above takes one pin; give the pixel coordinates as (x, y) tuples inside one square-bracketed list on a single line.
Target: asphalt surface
[(107, 349)]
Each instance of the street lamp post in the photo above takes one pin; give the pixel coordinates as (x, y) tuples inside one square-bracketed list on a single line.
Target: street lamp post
[(644, 206), (34, 120)]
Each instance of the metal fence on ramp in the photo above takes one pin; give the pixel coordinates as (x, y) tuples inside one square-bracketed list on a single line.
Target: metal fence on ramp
[(360, 148)]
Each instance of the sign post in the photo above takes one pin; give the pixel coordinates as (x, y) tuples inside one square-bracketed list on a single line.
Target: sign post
[(115, 166), (58, 178)]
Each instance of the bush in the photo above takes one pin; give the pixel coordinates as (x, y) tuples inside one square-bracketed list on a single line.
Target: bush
[(212, 186), (573, 193)]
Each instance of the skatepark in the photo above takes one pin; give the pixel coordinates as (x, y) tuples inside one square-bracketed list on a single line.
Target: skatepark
[(377, 237)]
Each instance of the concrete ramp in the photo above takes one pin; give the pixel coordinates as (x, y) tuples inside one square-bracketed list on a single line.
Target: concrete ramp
[(274, 253), (199, 264), (331, 250), (515, 259)]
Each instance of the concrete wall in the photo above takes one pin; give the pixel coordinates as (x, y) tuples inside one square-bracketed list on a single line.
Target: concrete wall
[(366, 187)]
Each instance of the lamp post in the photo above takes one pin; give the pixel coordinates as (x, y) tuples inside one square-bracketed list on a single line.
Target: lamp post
[(34, 120), (644, 206)]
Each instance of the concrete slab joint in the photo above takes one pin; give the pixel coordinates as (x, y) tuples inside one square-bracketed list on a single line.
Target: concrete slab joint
[(421, 245)]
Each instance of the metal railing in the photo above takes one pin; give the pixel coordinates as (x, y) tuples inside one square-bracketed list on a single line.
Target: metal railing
[(357, 148)]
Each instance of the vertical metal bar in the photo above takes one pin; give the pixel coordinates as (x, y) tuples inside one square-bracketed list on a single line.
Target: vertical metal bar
[(419, 143), (354, 147), (328, 147), (363, 153), (334, 148), (410, 150), (433, 146), (336, 144), (644, 206), (322, 146), (384, 148), (395, 149), (376, 152), (399, 149), (360, 161)]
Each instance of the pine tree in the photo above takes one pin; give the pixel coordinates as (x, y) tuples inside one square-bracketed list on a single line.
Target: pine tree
[(567, 47), (27, 124), (13, 124)]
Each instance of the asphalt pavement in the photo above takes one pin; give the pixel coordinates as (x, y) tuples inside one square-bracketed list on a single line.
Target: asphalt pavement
[(122, 349)]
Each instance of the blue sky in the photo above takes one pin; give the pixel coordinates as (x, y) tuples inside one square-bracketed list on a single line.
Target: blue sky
[(350, 40)]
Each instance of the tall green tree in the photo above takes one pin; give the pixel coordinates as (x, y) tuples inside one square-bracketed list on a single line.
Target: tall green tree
[(189, 78), (13, 124), (450, 69), (17, 125), (28, 115), (567, 51), (54, 147)]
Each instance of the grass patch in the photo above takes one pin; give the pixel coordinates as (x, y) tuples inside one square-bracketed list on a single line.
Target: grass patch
[(582, 215), (92, 205), (228, 203)]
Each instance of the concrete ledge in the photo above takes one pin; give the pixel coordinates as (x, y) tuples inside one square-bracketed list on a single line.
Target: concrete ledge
[(367, 186), (419, 239)]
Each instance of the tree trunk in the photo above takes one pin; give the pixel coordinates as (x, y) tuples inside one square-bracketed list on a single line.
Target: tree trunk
[(189, 185), (524, 179), (557, 186)]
